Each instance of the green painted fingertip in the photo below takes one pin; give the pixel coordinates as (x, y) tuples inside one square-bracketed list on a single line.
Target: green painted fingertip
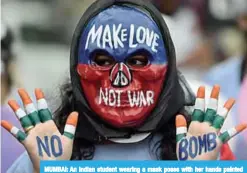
[(26, 122), (21, 136), (218, 122), (69, 135), (210, 116), (34, 117), (198, 115), (45, 115)]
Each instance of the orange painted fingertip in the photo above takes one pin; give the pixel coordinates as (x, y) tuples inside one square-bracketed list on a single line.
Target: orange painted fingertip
[(13, 104), (229, 103), (24, 96), (6, 125), (72, 119), (215, 92), (180, 121), (241, 127), (201, 92), (39, 94)]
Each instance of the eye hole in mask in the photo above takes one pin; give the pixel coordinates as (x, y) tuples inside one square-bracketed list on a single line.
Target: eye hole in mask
[(102, 60), (138, 60)]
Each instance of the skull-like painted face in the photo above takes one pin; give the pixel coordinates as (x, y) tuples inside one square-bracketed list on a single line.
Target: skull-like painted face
[(122, 65)]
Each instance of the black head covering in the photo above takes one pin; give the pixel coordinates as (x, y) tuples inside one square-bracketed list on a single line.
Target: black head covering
[(171, 100)]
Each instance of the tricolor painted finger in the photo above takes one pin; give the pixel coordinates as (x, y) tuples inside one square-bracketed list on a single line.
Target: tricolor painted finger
[(212, 105), (222, 113), (21, 136), (70, 127), (29, 106), (44, 112), (227, 135), (22, 116), (181, 127), (199, 108)]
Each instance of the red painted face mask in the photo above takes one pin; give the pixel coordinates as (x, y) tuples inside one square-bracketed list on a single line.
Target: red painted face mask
[(122, 65)]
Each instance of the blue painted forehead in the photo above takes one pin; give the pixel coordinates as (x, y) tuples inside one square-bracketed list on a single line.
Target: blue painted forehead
[(122, 31)]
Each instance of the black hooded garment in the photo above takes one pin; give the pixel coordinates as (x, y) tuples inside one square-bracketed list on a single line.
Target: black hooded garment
[(174, 97)]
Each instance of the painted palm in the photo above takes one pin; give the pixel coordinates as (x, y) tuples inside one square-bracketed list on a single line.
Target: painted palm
[(203, 141), (41, 138)]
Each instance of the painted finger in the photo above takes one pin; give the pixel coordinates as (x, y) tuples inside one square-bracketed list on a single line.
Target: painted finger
[(212, 105), (222, 114), (44, 112), (227, 135), (181, 127), (198, 113), (21, 136), (29, 106), (70, 127), (21, 115)]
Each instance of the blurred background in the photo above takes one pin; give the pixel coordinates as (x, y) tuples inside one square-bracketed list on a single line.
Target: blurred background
[(210, 37)]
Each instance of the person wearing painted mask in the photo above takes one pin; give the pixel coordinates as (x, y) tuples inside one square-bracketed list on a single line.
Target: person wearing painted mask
[(125, 97)]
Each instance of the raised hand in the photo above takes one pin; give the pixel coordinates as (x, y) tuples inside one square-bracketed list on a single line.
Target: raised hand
[(203, 139), (41, 139)]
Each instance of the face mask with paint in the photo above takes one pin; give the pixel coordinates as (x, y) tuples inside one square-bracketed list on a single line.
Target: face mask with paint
[(122, 64)]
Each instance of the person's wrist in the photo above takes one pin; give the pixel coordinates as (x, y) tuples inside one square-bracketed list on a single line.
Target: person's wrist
[(36, 170)]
